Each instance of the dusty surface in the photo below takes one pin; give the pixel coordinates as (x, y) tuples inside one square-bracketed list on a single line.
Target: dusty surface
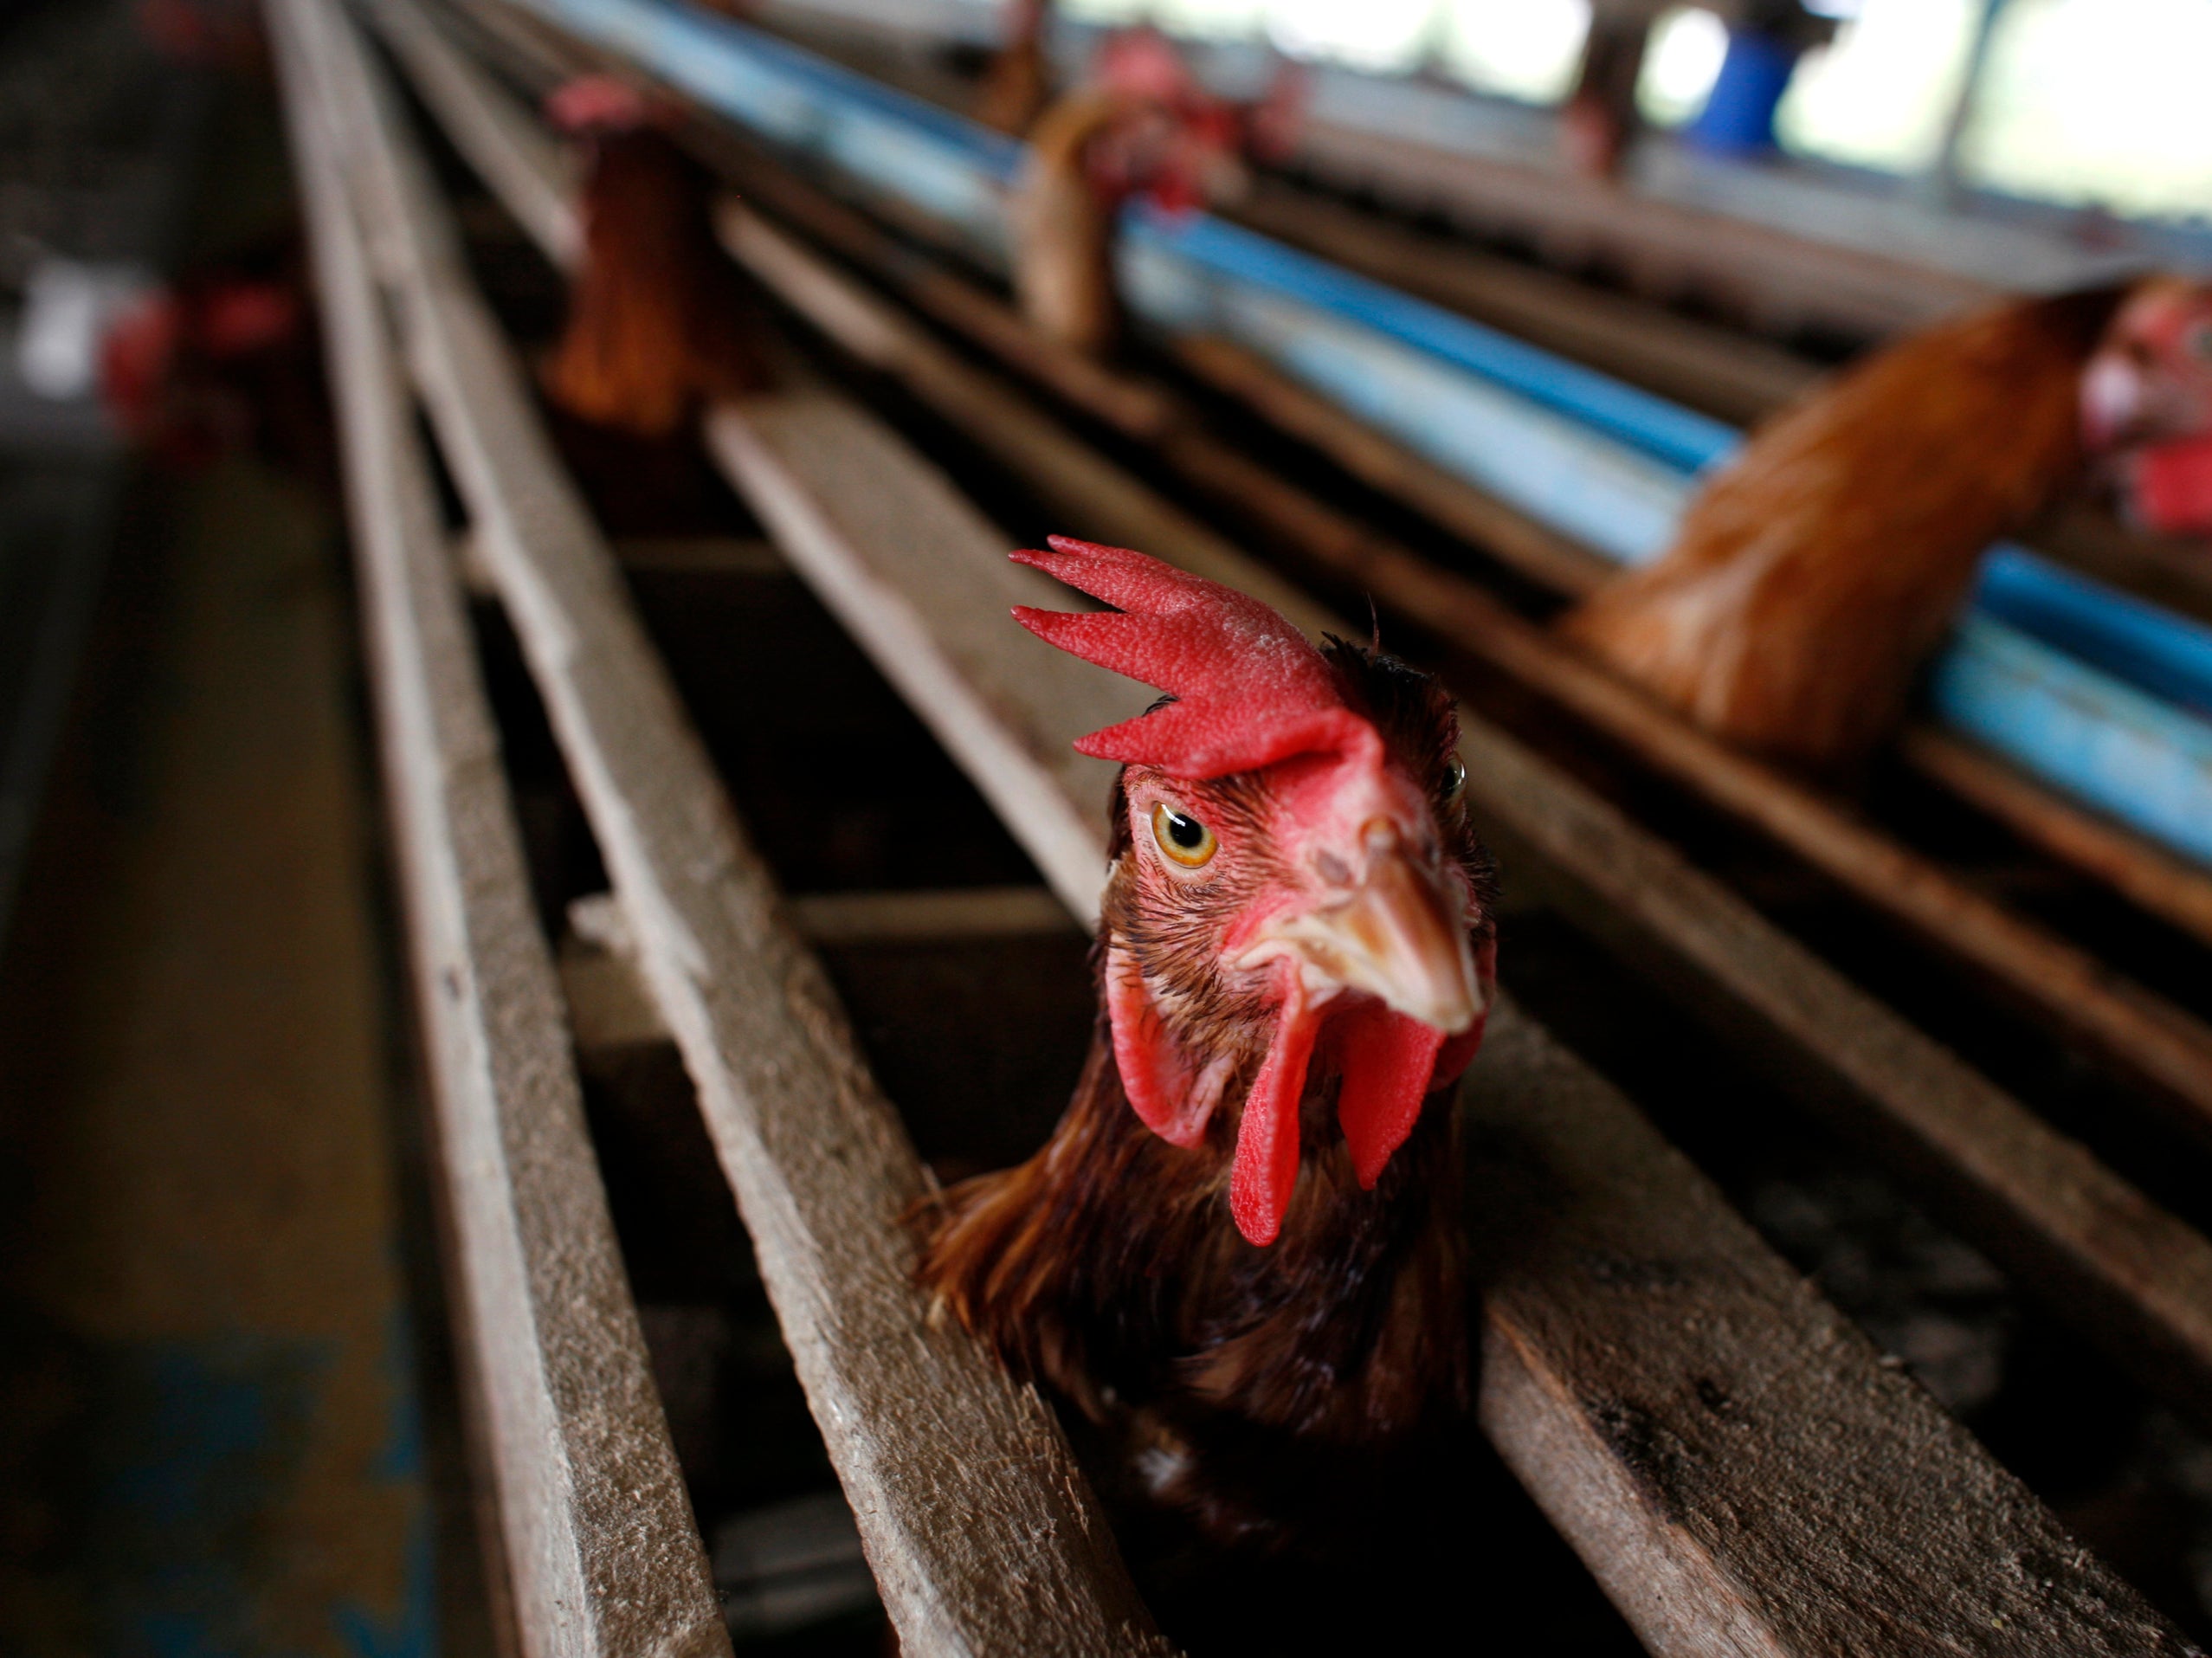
[(208, 1436)]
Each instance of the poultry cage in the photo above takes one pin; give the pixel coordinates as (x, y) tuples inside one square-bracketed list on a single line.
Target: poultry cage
[(663, 1088)]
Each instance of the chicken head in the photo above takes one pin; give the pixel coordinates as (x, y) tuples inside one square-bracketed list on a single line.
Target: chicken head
[(1297, 900)]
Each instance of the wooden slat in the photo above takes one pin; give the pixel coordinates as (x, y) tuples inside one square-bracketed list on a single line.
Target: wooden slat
[(598, 1550), (1629, 1263), (981, 1531), (2138, 869)]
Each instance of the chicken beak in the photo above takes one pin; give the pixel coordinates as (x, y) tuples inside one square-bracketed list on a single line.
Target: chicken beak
[(1400, 935)]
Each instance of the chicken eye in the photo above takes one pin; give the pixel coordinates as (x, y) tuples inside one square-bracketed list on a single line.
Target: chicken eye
[(1454, 779), (1181, 840)]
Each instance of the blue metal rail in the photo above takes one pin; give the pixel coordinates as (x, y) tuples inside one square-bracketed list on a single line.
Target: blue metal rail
[(2101, 696)]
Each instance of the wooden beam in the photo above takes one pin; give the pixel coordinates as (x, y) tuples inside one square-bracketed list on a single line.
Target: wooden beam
[(1741, 1471), (612, 1007), (982, 1532), (2140, 870), (1560, 1338), (597, 1552)]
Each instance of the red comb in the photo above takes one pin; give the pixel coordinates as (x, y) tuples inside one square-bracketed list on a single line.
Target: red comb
[(1249, 690)]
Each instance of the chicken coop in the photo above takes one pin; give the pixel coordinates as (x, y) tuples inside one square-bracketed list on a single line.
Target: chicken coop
[(1828, 1179)]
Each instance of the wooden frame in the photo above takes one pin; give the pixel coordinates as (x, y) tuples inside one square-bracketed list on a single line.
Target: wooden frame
[(1557, 1336), (596, 1551)]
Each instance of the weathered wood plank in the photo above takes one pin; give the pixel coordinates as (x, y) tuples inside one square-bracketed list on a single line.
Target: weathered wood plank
[(1733, 1316), (981, 1531), (599, 1552), (2138, 869), (523, 163), (1741, 1473)]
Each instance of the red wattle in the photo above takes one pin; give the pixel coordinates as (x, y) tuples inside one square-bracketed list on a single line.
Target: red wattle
[(1387, 1061), (2171, 488), (1266, 1171), (1171, 1102)]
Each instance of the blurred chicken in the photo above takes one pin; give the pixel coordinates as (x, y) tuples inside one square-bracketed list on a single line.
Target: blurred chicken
[(660, 320), (2167, 488), (1018, 84), (1817, 572), (1237, 1257), (1140, 125), (221, 361)]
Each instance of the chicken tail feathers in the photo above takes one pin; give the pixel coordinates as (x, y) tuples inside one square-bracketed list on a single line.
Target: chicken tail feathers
[(1813, 576)]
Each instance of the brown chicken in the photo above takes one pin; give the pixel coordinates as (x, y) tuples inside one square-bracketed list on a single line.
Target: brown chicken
[(1812, 578), (1237, 1260), (659, 321), (1140, 125), (1018, 83)]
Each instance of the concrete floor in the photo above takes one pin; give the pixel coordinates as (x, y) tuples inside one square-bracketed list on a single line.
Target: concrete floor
[(218, 1318), (210, 1429)]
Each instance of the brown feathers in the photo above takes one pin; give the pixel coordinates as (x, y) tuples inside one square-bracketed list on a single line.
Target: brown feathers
[(658, 319), (1812, 578), (1063, 227), (1018, 83)]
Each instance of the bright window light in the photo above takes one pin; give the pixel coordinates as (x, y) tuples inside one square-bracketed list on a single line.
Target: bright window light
[(1878, 95), (1681, 62), (1107, 14), (1210, 19), (1386, 35), (1528, 49), (2098, 101)]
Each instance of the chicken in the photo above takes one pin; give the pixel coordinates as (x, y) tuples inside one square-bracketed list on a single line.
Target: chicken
[(1237, 1258), (1141, 125), (660, 320), (1018, 83), (1812, 578), (221, 361)]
